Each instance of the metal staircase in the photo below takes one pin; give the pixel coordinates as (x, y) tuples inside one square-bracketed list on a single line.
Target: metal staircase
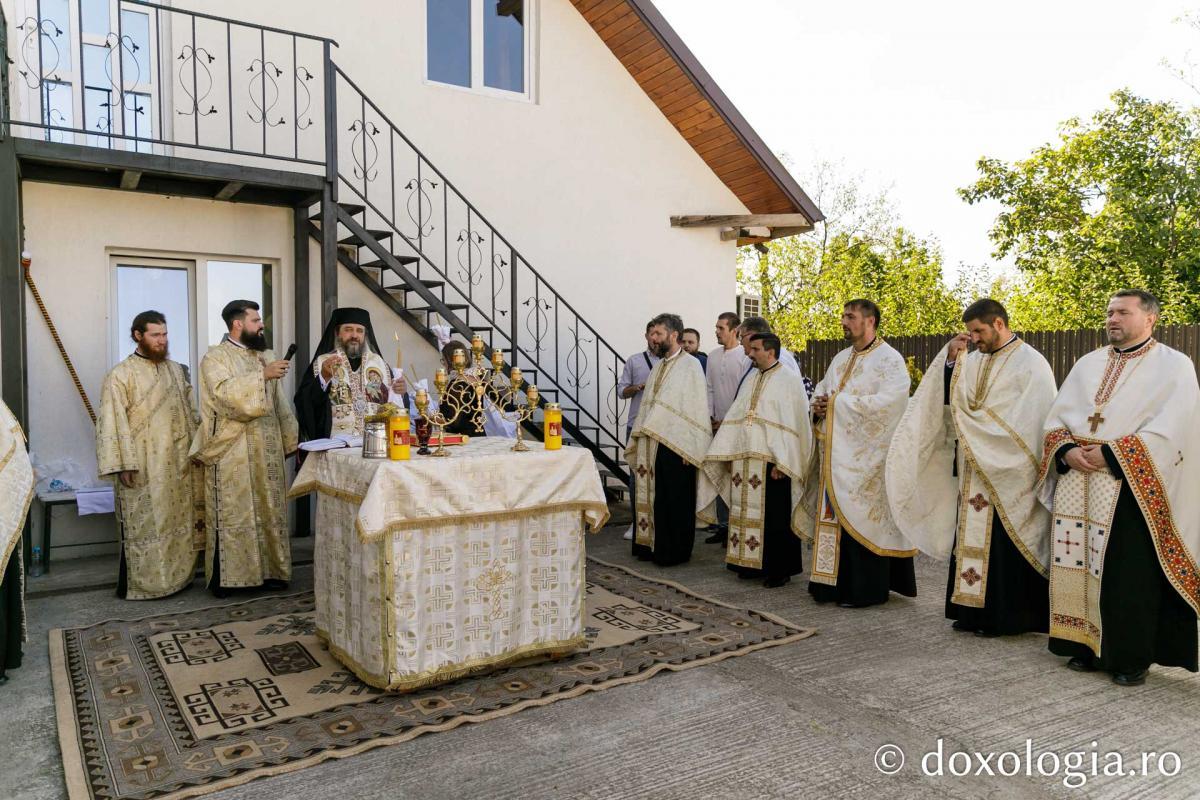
[(413, 238)]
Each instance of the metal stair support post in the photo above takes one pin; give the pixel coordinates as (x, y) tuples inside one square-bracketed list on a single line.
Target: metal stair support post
[(329, 209), (12, 287)]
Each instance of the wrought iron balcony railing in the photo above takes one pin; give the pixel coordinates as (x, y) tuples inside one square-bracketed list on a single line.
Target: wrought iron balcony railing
[(135, 75)]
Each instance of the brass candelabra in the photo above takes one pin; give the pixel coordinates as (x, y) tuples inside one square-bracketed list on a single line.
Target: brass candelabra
[(480, 383)]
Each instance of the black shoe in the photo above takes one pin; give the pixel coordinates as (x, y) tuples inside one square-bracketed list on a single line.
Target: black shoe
[(851, 605), (1082, 664), (959, 625), (1130, 678), (747, 575), (275, 584), (716, 538), (775, 583), (985, 634), (221, 592), (712, 528)]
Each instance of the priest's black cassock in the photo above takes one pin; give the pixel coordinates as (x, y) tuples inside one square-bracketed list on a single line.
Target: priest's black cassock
[(674, 525)]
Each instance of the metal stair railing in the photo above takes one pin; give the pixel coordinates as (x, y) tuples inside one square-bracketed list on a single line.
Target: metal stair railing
[(421, 214)]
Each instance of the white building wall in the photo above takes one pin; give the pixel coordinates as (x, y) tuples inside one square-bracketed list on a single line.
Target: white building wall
[(582, 180)]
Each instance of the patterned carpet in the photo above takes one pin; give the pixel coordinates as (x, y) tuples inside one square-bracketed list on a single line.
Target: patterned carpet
[(184, 704)]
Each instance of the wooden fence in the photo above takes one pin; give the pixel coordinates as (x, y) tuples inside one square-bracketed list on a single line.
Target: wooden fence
[(1061, 348)]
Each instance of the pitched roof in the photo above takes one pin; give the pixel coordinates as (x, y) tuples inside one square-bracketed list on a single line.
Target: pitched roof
[(643, 41)]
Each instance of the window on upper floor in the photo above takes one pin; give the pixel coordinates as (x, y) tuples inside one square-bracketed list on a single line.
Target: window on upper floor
[(482, 45)]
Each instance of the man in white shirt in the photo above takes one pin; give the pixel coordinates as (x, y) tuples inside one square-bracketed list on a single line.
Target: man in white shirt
[(726, 366), (630, 387)]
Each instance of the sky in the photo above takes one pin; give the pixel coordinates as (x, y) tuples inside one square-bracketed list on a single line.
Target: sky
[(911, 95)]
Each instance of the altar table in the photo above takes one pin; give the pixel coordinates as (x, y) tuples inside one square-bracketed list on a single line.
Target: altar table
[(434, 568)]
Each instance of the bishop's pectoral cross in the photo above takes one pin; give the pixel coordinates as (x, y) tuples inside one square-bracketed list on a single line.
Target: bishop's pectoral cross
[(1095, 420)]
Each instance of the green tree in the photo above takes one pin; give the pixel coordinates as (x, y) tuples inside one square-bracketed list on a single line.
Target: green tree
[(1114, 204), (860, 250)]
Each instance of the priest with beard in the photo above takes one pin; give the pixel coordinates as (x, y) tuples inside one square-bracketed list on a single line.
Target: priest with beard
[(1120, 449), (347, 379), (756, 463), (147, 421), (670, 438), (247, 429), (961, 471), (859, 555)]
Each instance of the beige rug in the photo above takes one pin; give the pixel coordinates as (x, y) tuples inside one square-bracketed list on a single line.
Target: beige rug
[(181, 705)]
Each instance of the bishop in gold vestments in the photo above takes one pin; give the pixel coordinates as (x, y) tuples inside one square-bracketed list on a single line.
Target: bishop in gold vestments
[(147, 421), (246, 429)]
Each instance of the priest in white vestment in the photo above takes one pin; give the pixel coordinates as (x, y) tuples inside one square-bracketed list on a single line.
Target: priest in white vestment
[(859, 555), (756, 464), (667, 446), (961, 471), (147, 421), (1120, 454)]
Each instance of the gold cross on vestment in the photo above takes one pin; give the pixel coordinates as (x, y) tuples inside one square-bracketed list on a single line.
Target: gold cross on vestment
[(1095, 420)]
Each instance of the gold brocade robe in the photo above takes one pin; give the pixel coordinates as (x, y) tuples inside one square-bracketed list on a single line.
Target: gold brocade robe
[(246, 428), (147, 421), (16, 493)]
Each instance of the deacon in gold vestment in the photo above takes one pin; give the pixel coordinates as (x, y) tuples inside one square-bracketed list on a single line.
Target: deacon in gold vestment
[(147, 421), (247, 428), (16, 492)]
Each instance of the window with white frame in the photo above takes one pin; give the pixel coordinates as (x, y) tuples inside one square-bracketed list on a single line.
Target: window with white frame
[(484, 45)]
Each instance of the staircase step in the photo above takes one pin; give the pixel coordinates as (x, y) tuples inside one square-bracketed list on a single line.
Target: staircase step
[(354, 241), (381, 264), (375, 273), (429, 309), (353, 209)]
